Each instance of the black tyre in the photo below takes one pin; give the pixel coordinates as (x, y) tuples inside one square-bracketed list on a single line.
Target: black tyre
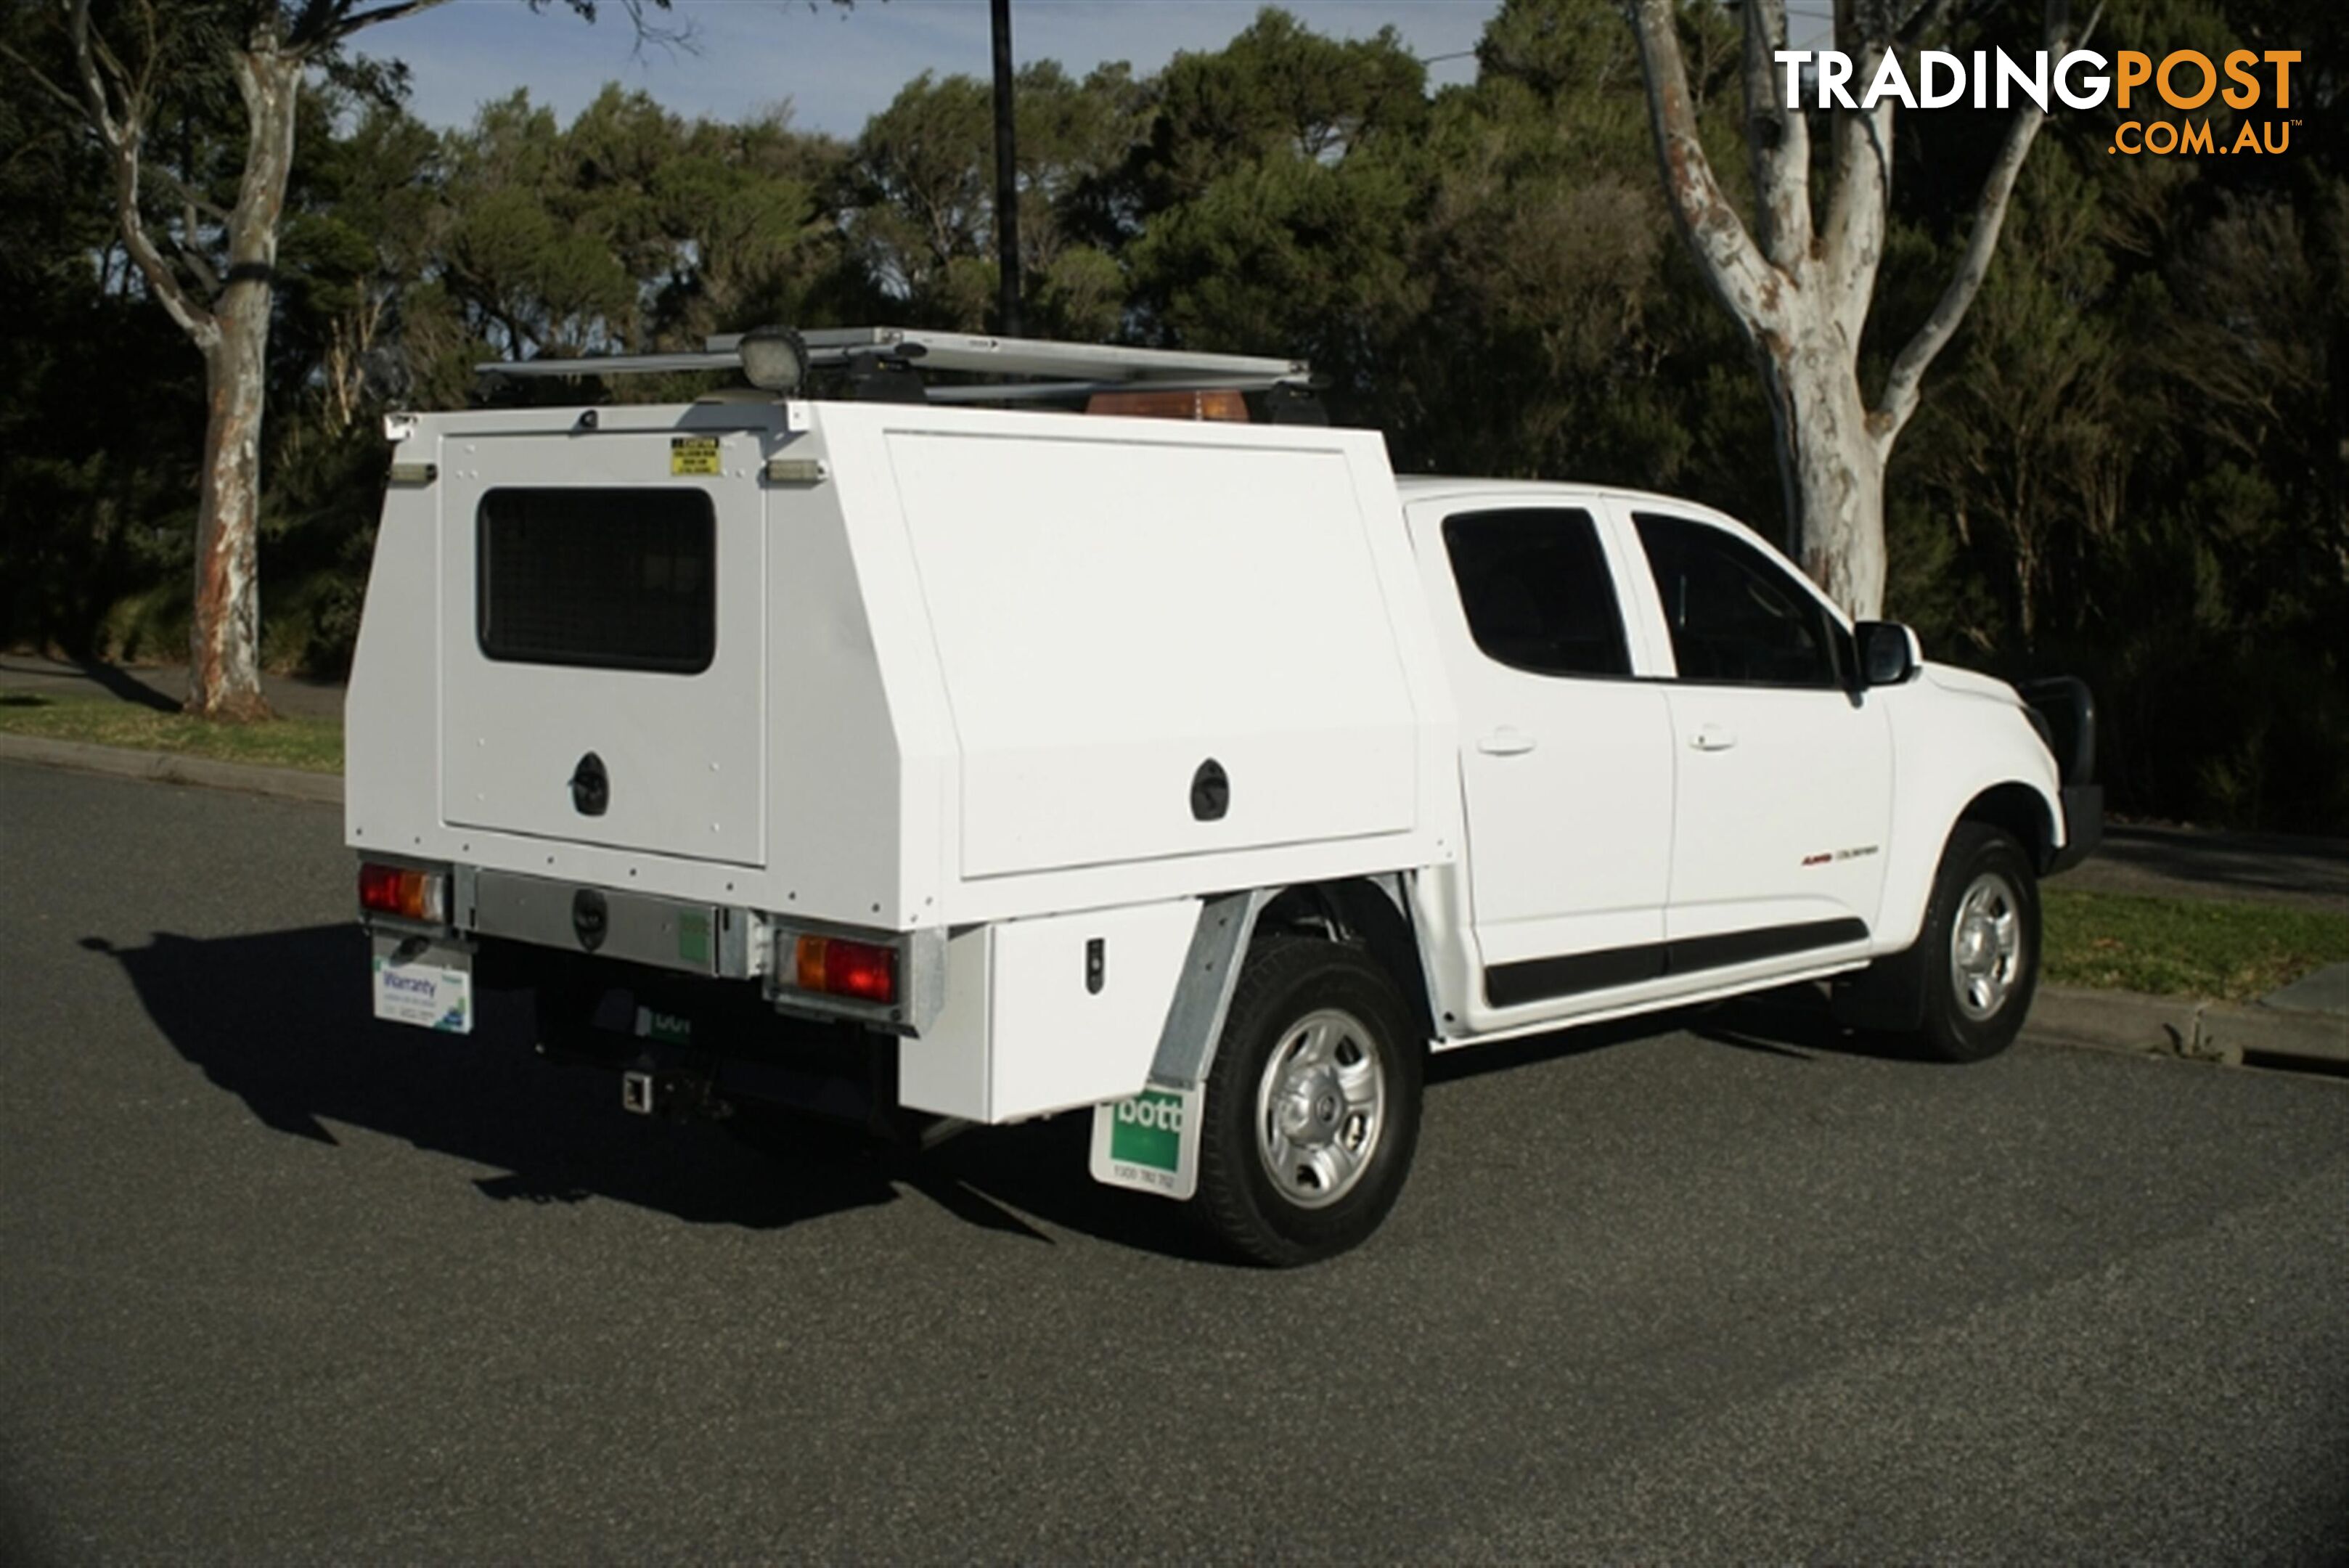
[(1980, 948), (1312, 1104)]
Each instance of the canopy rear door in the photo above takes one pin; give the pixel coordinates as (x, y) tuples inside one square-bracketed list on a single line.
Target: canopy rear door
[(603, 646)]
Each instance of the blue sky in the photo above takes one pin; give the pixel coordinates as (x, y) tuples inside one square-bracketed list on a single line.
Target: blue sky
[(837, 68)]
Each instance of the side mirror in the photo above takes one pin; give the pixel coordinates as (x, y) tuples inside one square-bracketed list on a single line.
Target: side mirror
[(1889, 654)]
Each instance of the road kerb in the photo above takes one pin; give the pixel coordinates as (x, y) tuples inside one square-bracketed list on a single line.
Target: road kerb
[(2275, 1035), (2115, 1021), (169, 767), (2222, 1032)]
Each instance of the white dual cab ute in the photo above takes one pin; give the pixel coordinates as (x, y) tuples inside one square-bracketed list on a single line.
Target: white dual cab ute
[(926, 754)]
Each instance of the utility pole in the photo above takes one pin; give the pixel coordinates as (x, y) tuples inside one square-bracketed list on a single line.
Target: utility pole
[(1007, 179)]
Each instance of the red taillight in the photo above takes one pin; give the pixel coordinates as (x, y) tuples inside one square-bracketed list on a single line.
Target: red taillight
[(834, 966), (398, 890)]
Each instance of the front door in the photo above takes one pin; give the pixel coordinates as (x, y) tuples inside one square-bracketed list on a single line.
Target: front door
[(1784, 802)]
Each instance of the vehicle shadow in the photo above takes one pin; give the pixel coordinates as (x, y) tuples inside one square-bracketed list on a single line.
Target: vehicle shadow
[(280, 1020), (1794, 1023), (1038, 1169), (1574, 1040), (1797, 1020)]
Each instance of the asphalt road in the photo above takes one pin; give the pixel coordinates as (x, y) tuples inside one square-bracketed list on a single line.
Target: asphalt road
[(279, 1283)]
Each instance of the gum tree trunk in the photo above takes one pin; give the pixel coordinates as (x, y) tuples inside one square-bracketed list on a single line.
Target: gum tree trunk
[(1799, 285), (224, 662), (1831, 469)]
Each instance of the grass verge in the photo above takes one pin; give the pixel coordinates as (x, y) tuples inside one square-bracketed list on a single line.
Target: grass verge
[(2222, 949), (315, 745)]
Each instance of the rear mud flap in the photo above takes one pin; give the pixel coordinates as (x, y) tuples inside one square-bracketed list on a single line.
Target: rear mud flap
[(1149, 1142)]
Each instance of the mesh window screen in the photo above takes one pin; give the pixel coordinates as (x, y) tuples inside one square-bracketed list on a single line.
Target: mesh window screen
[(611, 580)]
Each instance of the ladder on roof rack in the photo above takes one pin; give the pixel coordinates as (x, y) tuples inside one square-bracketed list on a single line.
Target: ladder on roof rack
[(1077, 368)]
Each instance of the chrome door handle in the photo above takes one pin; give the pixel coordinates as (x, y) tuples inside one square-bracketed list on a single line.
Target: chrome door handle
[(1714, 738), (1505, 742)]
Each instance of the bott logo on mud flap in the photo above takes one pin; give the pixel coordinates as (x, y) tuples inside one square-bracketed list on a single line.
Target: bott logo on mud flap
[(1142, 1142), (1148, 1130)]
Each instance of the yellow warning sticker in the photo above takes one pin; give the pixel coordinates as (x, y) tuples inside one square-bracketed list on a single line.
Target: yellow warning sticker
[(693, 457)]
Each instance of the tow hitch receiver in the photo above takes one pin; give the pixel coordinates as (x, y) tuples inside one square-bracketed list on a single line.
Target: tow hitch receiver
[(678, 1096)]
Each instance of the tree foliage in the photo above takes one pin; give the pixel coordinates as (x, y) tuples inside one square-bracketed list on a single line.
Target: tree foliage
[(2128, 463)]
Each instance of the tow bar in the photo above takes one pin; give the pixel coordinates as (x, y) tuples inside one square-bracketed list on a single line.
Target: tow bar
[(677, 1095)]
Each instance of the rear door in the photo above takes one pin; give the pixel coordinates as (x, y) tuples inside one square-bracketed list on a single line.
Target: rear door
[(601, 642), (1566, 759)]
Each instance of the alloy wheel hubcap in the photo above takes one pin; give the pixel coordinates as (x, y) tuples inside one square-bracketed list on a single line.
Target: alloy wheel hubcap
[(1986, 946), (1320, 1107)]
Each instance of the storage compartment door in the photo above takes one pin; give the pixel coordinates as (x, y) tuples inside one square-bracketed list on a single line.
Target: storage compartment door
[(1115, 616), (603, 642), (1050, 1014)]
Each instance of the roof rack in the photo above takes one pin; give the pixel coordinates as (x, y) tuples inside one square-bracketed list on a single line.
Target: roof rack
[(1075, 369)]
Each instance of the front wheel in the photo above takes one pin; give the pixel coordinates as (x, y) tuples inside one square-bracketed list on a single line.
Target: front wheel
[(1312, 1104), (1979, 946)]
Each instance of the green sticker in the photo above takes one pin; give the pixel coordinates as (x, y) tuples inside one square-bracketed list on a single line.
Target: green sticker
[(693, 938), (1148, 1130)]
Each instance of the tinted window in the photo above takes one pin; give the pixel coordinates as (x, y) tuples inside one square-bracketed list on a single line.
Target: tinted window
[(1736, 617), (1536, 590), (617, 579)]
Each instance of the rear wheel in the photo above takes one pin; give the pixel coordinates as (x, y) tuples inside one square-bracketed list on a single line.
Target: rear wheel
[(1979, 946), (1312, 1106)]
